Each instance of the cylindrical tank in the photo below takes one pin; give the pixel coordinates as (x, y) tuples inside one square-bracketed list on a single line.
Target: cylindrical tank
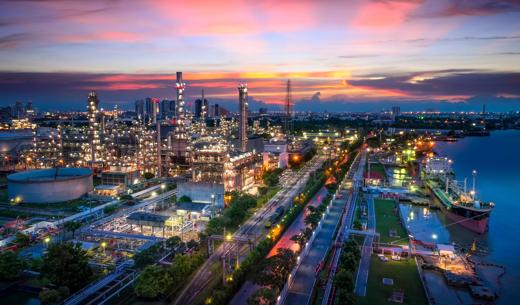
[(49, 185)]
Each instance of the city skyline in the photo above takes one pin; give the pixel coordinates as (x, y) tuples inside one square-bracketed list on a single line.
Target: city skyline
[(356, 52)]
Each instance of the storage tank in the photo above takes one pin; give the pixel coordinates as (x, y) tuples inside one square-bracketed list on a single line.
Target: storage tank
[(49, 185)]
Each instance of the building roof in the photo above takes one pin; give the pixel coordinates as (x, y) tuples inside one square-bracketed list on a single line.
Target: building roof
[(145, 218), (191, 206)]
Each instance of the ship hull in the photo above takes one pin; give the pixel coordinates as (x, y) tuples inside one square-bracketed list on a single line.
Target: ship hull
[(476, 221), (477, 226)]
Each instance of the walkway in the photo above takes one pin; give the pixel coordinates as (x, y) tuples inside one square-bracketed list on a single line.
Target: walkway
[(366, 253), (301, 288)]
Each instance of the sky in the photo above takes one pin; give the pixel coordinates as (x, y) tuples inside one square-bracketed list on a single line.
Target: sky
[(339, 55)]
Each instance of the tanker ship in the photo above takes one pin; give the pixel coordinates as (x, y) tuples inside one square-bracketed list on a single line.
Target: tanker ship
[(460, 205)]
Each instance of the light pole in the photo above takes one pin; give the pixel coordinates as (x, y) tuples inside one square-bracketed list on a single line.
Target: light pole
[(474, 173), (47, 240)]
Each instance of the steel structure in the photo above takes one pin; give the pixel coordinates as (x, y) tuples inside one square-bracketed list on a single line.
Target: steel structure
[(288, 107), (243, 111), (93, 132)]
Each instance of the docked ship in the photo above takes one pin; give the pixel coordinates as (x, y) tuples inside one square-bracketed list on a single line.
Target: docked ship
[(460, 205)]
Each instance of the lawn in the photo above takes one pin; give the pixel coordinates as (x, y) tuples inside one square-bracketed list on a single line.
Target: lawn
[(405, 276), (378, 168), (386, 220)]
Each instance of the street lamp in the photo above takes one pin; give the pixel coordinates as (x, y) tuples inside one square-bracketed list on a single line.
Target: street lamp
[(104, 245), (47, 240)]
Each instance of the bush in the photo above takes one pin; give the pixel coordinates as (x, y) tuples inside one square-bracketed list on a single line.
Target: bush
[(10, 266)]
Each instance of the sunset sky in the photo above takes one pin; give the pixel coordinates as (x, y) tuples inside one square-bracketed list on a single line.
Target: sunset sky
[(53, 51)]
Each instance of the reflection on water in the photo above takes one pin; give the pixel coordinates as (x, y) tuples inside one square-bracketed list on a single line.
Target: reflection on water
[(424, 224), (20, 298), (496, 160)]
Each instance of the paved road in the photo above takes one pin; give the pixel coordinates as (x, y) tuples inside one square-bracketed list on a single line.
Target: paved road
[(366, 253), (301, 288), (253, 227), (285, 241)]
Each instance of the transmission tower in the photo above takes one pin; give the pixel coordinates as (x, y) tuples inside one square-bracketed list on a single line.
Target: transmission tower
[(288, 118)]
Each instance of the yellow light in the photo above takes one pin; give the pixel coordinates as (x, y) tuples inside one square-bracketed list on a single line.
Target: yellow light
[(47, 239), (229, 237), (103, 244)]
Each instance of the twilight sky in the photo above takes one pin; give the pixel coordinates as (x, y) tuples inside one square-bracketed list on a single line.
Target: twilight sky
[(338, 52)]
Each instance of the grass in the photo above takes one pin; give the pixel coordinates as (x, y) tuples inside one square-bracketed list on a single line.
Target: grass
[(387, 220), (405, 276), (3, 196), (378, 168)]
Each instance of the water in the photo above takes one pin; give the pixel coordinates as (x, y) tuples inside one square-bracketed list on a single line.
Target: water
[(427, 225), (497, 161)]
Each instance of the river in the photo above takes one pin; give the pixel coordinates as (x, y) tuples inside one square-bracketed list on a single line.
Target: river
[(497, 161)]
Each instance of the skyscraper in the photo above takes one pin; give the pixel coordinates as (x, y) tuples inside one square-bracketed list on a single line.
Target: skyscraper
[(139, 109), (201, 108), (149, 107), (243, 111)]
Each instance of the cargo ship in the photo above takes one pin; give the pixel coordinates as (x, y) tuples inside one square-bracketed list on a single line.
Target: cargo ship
[(459, 205)]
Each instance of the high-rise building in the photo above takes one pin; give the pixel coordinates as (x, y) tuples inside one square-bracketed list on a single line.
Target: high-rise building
[(201, 108), (18, 111), (94, 127), (139, 109), (243, 109), (396, 110)]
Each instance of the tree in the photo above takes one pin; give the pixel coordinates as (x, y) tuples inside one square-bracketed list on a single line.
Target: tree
[(276, 269), (10, 266), (50, 296), (263, 296), (147, 256), (344, 280), (22, 239), (53, 296), (184, 265), (153, 282), (185, 198), (148, 175), (72, 226), (67, 265), (173, 242)]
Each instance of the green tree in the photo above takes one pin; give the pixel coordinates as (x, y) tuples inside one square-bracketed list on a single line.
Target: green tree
[(183, 265), (10, 266), (263, 296), (50, 296), (67, 265), (153, 282), (173, 242), (148, 175), (185, 198), (22, 239), (72, 226), (344, 280), (148, 256), (276, 269)]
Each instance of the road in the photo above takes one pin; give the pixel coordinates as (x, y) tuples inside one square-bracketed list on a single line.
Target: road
[(301, 288), (366, 253), (254, 226), (285, 241), (357, 182)]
